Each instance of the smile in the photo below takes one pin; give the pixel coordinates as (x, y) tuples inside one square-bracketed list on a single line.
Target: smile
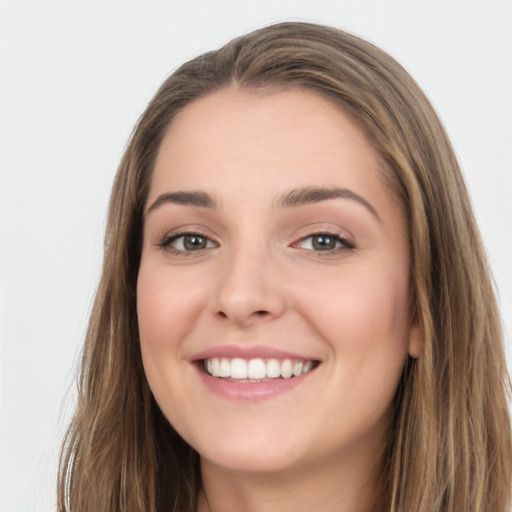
[(257, 369)]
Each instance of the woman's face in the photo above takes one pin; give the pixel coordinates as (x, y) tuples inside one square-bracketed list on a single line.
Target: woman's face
[(272, 295)]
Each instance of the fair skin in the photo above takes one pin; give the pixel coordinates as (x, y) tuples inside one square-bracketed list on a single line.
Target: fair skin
[(270, 235)]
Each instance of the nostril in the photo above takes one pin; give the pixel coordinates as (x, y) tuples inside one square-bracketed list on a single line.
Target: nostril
[(242, 316)]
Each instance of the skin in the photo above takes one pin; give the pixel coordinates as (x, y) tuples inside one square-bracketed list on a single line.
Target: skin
[(260, 281)]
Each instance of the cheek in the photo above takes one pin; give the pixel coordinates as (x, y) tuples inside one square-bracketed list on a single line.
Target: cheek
[(364, 317), (166, 306)]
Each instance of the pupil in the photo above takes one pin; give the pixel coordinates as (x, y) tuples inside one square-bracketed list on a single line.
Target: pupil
[(192, 242), (324, 242)]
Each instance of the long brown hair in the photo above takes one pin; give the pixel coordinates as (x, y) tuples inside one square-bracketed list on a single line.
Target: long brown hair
[(450, 446)]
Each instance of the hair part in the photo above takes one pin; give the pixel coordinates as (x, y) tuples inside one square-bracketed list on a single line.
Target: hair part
[(450, 445)]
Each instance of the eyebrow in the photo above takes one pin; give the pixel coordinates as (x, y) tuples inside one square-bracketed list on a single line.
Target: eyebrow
[(291, 199), (185, 198), (310, 195)]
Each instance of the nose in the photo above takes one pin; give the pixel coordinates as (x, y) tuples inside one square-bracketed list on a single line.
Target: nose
[(248, 289)]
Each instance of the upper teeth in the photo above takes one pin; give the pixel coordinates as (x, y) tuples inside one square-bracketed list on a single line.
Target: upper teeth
[(257, 369)]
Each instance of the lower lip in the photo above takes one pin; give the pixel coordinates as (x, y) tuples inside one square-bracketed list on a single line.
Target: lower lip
[(254, 391)]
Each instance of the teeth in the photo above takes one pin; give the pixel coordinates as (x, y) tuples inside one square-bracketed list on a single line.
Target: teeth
[(238, 369), (286, 369), (225, 368), (256, 369), (297, 369), (273, 369), (307, 366)]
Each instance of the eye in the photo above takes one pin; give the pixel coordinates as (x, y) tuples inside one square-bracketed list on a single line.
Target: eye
[(324, 242), (186, 242)]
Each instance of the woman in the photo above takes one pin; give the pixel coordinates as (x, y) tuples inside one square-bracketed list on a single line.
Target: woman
[(295, 309)]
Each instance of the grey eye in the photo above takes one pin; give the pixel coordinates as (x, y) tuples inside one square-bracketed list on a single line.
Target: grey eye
[(320, 242), (190, 242), (194, 242), (323, 242)]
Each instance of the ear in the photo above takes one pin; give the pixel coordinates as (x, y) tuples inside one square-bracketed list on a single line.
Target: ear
[(416, 338)]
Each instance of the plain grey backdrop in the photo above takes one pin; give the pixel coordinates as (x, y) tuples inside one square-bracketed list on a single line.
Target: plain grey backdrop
[(74, 77)]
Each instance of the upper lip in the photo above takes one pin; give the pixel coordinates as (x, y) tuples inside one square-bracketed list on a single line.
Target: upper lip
[(248, 352)]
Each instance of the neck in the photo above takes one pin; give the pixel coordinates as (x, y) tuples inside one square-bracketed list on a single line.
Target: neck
[(354, 487)]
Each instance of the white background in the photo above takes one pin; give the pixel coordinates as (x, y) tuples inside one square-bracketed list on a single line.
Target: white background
[(74, 77)]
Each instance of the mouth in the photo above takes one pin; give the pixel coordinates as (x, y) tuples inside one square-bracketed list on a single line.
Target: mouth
[(256, 370)]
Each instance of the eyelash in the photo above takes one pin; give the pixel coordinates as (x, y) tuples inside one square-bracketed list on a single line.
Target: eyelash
[(166, 243), (343, 243)]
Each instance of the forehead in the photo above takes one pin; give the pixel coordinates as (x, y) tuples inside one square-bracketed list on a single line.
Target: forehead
[(234, 137)]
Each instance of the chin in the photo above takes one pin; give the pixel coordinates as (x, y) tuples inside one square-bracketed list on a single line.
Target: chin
[(250, 461), (255, 455)]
